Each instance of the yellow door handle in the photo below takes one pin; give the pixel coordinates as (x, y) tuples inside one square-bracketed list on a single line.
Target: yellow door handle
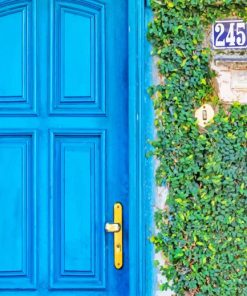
[(117, 229)]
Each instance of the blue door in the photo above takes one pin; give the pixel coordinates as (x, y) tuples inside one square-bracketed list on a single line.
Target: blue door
[(63, 146)]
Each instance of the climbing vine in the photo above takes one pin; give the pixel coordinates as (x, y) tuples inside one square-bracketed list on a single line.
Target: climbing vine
[(202, 229)]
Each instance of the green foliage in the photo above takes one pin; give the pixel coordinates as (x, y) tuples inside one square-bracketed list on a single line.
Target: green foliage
[(202, 230)]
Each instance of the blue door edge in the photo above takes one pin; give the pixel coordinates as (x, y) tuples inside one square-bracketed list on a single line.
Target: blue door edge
[(141, 169)]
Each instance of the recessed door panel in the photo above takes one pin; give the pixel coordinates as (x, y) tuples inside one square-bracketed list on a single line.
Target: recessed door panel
[(11, 50), (78, 209), (77, 55), (17, 53), (17, 212), (78, 60)]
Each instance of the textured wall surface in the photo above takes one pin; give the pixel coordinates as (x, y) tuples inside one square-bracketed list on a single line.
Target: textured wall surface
[(161, 194), (231, 80)]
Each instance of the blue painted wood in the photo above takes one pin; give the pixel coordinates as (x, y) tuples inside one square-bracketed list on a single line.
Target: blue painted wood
[(63, 139), (17, 210), (78, 43), (12, 80), (148, 168), (141, 168), (78, 207), (17, 58), (78, 62)]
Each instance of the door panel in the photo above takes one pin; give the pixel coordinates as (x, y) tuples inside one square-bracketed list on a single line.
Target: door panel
[(17, 54), (63, 145), (78, 209), (17, 211), (78, 57)]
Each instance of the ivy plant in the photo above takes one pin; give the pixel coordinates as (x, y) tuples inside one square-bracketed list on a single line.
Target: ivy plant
[(202, 229)]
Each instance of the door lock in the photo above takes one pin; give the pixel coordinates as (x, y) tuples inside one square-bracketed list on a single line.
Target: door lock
[(117, 229)]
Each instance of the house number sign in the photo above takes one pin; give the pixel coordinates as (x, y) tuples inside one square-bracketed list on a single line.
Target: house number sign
[(229, 34)]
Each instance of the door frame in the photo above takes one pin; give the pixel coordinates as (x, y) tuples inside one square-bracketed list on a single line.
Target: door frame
[(141, 169)]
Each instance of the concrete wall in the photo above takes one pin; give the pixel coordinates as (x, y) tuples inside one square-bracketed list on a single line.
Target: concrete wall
[(231, 80)]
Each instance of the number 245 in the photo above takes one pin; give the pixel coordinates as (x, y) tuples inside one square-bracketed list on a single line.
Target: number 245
[(238, 39)]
